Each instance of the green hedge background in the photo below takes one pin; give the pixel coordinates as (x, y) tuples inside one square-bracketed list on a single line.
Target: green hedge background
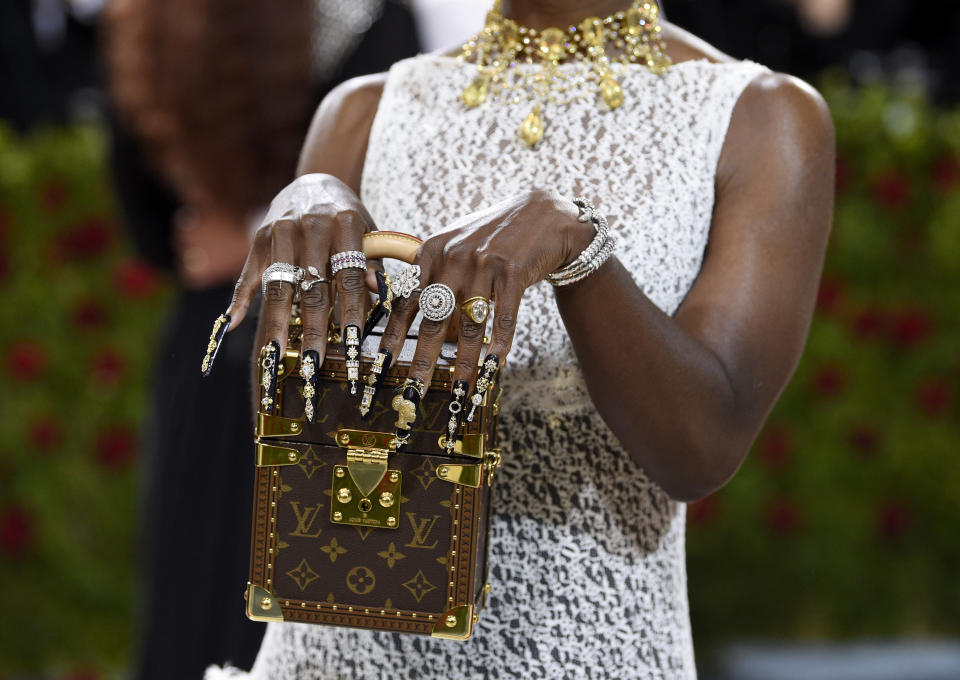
[(841, 524)]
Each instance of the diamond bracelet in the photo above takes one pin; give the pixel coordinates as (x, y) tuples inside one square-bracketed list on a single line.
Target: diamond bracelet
[(594, 255)]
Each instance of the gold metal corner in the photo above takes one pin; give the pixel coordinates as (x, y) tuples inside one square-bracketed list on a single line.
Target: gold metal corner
[(268, 454), (262, 605), (277, 426), (456, 624), (468, 475)]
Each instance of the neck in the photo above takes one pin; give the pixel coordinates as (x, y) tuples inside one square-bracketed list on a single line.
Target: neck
[(540, 14)]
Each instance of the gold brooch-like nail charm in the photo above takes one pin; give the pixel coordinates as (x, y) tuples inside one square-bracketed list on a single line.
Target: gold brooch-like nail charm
[(220, 326)]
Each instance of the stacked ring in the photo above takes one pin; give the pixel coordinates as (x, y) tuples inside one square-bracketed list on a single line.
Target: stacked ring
[(437, 302), (280, 271), (348, 259), (476, 309)]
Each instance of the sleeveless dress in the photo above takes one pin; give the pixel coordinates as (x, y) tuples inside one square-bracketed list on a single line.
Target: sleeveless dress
[(587, 554)]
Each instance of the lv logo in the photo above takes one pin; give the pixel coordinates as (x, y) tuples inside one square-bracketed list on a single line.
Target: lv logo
[(421, 531), (305, 519)]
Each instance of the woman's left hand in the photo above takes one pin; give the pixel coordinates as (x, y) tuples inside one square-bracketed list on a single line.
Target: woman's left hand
[(496, 254)]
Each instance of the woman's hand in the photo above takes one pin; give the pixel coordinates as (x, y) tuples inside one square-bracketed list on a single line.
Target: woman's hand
[(495, 254), (314, 217)]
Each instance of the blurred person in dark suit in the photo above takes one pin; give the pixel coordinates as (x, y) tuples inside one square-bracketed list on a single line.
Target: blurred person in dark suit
[(873, 38), (212, 100)]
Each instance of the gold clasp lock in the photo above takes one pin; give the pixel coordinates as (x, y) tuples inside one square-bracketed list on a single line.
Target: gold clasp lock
[(365, 491)]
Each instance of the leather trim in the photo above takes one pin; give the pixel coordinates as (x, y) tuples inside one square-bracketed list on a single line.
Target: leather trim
[(393, 244)]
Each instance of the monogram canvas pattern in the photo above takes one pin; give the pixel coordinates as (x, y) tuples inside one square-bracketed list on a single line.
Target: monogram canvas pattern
[(587, 555)]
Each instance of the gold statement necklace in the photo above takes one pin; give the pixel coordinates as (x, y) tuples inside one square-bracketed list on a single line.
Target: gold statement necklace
[(503, 44)]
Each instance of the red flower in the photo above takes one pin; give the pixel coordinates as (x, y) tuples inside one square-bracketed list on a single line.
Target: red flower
[(844, 173), (25, 360), (107, 366), (88, 314), (53, 194), (135, 279), (115, 447), (893, 518), (868, 322), (829, 380), (704, 512), (45, 433), (16, 531), (782, 517), (910, 327), (829, 295), (892, 189), (775, 446), (863, 438), (945, 173), (85, 240), (933, 395)]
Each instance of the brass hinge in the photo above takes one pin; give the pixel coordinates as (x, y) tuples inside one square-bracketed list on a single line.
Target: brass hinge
[(268, 454), (466, 445), (277, 426), (468, 475)]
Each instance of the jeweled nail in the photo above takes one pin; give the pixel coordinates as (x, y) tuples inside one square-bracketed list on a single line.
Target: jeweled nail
[(269, 366), (351, 352), (485, 379), (455, 409), (220, 326), (405, 404), (381, 364), (308, 371)]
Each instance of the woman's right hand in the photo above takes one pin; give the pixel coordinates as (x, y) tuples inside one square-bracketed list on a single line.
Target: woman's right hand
[(314, 217)]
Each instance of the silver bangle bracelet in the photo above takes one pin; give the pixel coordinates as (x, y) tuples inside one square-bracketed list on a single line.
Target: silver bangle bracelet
[(594, 255)]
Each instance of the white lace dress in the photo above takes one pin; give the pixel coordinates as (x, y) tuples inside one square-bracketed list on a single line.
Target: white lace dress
[(587, 554)]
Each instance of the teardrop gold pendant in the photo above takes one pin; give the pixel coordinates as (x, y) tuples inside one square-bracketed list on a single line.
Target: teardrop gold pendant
[(611, 91), (476, 92), (531, 130)]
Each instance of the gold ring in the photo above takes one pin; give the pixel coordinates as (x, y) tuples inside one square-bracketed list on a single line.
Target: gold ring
[(476, 308)]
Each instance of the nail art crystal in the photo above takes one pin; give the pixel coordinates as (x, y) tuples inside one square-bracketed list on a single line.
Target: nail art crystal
[(352, 349), (220, 326)]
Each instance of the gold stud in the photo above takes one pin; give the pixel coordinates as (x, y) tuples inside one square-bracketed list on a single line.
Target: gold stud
[(265, 603), (394, 476), (386, 499), (344, 438), (337, 516), (443, 471), (451, 620), (292, 456), (391, 521), (344, 495), (340, 472)]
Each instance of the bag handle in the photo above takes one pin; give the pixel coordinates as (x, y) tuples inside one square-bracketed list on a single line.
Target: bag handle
[(392, 244)]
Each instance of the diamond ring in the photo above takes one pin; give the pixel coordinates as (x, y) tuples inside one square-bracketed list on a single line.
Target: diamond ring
[(406, 281), (437, 302), (476, 309), (348, 259)]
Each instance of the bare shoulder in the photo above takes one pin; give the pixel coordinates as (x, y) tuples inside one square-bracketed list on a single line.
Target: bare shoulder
[(337, 140)]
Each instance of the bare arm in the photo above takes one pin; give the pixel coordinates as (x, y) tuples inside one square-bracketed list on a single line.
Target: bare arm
[(688, 395)]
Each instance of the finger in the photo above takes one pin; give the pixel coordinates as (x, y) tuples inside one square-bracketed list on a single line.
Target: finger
[(276, 313), (248, 285), (429, 343), (469, 347), (243, 294), (314, 307), (391, 343), (351, 290), (507, 294)]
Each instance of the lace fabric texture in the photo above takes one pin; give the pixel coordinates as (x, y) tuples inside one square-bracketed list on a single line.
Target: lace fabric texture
[(587, 554)]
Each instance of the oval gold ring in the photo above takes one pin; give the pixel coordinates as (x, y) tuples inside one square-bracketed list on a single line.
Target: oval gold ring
[(476, 308)]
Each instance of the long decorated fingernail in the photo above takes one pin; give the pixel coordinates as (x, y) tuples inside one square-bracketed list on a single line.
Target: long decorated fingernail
[(269, 366), (384, 304), (405, 404), (308, 371), (381, 364), (220, 326), (457, 399), (490, 365), (351, 350)]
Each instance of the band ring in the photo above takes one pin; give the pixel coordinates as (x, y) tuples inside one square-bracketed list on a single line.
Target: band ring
[(280, 271), (476, 309), (437, 302), (406, 281), (347, 259)]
